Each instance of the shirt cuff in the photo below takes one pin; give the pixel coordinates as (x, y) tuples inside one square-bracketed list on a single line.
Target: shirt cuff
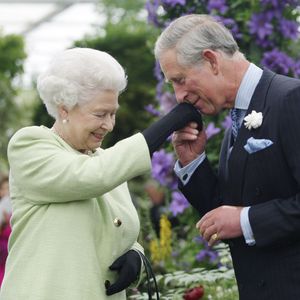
[(185, 173), (246, 227)]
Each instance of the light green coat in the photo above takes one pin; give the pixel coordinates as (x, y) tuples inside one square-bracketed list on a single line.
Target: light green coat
[(64, 203)]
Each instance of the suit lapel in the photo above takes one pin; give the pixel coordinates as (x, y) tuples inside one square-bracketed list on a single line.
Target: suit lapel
[(238, 157)]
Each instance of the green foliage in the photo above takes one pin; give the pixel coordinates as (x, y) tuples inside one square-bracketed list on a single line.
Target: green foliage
[(41, 116), (12, 56), (126, 9)]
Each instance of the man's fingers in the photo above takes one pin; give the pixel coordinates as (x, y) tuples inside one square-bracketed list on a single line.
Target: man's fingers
[(214, 238), (204, 219), (209, 232), (185, 135)]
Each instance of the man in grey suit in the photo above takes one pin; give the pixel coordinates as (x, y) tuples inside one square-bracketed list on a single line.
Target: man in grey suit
[(253, 202)]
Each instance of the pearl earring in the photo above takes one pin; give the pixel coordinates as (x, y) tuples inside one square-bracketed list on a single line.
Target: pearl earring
[(65, 121)]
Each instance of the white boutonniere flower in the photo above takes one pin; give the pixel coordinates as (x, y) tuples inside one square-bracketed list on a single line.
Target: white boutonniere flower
[(253, 120)]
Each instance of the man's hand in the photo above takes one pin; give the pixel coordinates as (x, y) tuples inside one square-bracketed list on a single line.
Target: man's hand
[(220, 223), (189, 143)]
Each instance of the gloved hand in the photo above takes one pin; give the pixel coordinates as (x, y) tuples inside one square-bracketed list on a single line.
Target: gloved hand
[(128, 266), (177, 118)]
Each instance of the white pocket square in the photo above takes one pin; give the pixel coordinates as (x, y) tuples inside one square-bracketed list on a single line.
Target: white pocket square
[(253, 145)]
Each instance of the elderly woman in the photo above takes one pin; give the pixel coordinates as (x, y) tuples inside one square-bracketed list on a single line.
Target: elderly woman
[(74, 226)]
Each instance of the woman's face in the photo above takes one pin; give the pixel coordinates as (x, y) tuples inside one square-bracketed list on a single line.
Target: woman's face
[(89, 123)]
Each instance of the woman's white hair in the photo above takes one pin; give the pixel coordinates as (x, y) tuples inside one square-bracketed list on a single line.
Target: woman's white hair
[(191, 34), (76, 75)]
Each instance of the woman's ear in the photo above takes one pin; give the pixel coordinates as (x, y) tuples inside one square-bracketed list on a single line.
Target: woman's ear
[(212, 58), (63, 112)]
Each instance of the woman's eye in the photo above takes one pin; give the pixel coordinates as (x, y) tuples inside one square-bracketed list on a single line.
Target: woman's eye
[(101, 116)]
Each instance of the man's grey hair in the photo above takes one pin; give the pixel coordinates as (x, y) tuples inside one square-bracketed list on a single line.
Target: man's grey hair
[(191, 34), (76, 75)]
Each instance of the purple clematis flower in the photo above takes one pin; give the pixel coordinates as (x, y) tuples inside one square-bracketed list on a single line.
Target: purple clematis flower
[(207, 252), (278, 62), (231, 25), (211, 130), (157, 71), (204, 254), (172, 3), (260, 25), (297, 69), (289, 29), (162, 168), (218, 5), (272, 3), (178, 204), (227, 122), (167, 102), (153, 111), (151, 7), (280, 3)]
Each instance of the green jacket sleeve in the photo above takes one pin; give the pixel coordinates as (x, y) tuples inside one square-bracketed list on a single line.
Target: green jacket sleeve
[(46, 169)]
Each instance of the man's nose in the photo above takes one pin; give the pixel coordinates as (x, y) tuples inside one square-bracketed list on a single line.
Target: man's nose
[(180, 94)]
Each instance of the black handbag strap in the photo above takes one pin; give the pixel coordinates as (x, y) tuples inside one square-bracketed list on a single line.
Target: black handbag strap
[(150, 274)]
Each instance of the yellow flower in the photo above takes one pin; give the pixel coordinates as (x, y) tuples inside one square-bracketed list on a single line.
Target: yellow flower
[(165, 237), (161, 249), (154, 250)]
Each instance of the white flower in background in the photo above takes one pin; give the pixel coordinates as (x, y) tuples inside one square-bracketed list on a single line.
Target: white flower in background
[(253, 120)]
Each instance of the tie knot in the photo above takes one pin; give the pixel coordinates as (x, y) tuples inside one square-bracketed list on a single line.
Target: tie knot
[(235, 114)]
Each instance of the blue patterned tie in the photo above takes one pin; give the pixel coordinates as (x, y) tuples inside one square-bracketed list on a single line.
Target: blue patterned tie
[(235, 114)]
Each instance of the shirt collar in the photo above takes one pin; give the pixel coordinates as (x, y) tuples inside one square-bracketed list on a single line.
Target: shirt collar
[(247, 87)]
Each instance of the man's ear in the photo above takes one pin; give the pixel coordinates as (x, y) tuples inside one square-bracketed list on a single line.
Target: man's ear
[(212, 58)]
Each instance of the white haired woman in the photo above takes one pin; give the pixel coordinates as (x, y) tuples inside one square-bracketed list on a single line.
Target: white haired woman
[(74, 226)]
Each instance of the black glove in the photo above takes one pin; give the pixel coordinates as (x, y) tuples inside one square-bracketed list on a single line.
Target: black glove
[(128, 266), (177, 118)]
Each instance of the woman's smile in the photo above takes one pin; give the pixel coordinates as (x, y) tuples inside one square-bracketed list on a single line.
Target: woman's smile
[(99, 137)]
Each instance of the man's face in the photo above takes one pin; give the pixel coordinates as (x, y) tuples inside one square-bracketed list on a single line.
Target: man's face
[(202, 85)]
